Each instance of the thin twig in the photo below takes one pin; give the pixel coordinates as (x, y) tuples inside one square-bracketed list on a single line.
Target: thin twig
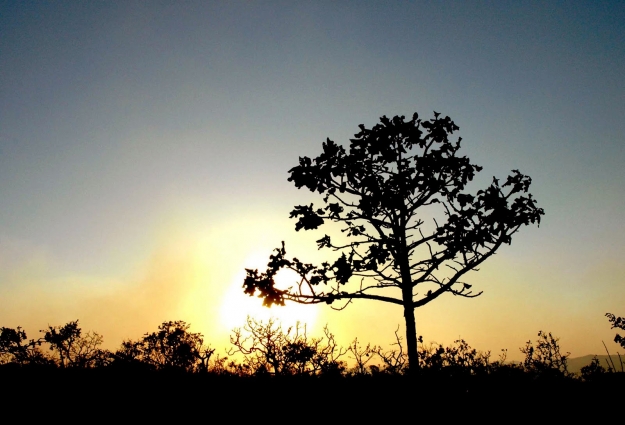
[(610, 357)]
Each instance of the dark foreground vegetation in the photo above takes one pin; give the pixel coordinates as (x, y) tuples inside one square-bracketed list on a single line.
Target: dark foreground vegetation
[(266, 361)]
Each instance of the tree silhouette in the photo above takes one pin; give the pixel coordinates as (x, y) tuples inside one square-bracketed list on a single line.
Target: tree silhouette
[(545, 358), (593, 371), (172, 347), (408, 225), (268, 349), (15, 347), (72, 348), (68, 346)]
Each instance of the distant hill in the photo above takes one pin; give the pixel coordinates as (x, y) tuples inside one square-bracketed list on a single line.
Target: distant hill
[(575, 364)]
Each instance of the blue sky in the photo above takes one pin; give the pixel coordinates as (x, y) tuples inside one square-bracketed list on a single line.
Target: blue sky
[(137, 136)]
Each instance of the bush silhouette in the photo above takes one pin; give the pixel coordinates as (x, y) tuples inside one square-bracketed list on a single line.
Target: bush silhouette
[(71, 348), (172, 347), (16, 348), (545, 358), (268, 349)]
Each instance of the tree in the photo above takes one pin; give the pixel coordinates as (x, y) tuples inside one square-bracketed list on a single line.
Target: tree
[(268, 349), (73, 349), (408, 224), (68, 345), (545, 358), (15, 347), (172, 347)]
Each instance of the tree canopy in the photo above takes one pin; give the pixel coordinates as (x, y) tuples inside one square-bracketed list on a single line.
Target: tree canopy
[(172, 347), (410, 230)]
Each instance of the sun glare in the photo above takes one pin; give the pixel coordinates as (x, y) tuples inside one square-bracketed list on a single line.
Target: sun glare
[(236, 305)]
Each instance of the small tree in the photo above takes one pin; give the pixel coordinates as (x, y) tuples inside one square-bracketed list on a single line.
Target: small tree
[(411, 233), (172, 347), (362, 356), (268, 349), (72, 348), (16, 348), (545, 358), (594, 370)]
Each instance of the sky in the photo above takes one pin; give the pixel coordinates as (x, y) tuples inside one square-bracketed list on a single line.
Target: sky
[(145, 149)]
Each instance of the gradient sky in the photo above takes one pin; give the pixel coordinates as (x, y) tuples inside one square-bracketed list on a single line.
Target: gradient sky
[(145, 149)]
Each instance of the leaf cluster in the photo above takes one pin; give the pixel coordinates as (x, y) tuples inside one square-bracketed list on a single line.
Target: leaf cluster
[(619, 323)]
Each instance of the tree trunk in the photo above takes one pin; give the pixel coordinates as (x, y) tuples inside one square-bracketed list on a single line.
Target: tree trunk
[(411, 340), (406, 289)]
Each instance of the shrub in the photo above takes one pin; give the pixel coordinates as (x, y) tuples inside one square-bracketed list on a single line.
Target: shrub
[(545, 358), (268, 349)]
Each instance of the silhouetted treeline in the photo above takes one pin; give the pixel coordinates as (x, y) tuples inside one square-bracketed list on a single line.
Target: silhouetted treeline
[(266, 349), (274, 372)]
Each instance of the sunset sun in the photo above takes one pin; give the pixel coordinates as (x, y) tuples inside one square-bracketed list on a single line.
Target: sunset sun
[(236, 305)]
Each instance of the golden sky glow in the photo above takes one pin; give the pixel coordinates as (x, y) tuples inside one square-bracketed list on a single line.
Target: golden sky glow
[(144, 156)]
